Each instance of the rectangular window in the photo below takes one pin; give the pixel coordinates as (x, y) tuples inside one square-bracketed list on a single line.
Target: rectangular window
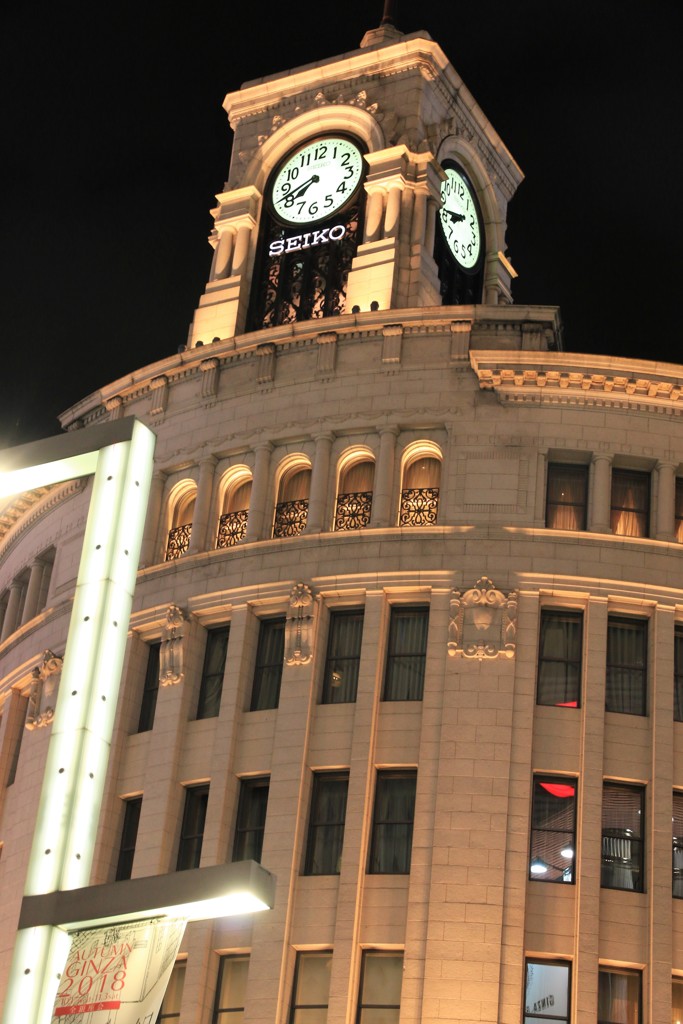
[(679, 509), (547, 988), (192, 830), (129, 835), (311, 990), (270, 653), (151, 689), (619, 1000), (553, 829), (379, 995), (677, 1000), (678, 674), (326, 823), (626, 678), (622, 837), (407, 649), (566, 497), (677, 844), (231, 990), (251, 819), (211, 686), (173, 997), (343, 657), (630, 508), (392, 823), (559, 658)]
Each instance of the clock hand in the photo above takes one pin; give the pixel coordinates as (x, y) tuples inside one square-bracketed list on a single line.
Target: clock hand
[(299, 191), (455, 217)]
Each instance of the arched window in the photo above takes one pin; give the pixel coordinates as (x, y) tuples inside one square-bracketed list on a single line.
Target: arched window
[(421, 479), (181, 511), (232, 523), (354, 493), (291, 510)]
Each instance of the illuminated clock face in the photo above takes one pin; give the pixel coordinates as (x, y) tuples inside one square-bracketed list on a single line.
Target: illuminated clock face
[(460, 220), (316, 180)]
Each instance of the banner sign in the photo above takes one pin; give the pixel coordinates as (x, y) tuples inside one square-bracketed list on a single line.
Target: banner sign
[(118, 974)]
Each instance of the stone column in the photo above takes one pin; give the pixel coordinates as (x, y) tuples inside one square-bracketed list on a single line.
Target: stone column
[(319, 480), (666, 501), (223, 255), (35, 580), (202, 505), (241, 252), (259, 492), (541, 488), (384, 478), (10, 622), (149, 552), (600, 494), (419, 222), (392, 215), (373, 214)]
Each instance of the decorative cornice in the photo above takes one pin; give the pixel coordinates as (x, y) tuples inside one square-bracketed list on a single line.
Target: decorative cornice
[(47, 498)]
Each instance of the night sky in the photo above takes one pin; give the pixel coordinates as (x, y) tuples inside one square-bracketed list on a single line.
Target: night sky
[(115, 143)]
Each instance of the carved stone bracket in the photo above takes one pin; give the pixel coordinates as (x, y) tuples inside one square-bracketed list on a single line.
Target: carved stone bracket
[(327, 353), (391, 345), (159, 400), (114, 407), (42, 698), (483, 622), (210, 373), (171, 654), (265, 363), (299, 626)]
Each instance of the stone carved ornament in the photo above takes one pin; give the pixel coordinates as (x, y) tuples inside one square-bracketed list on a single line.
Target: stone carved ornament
[(42, 698), (299, 626), (171, 653), (483, 622)]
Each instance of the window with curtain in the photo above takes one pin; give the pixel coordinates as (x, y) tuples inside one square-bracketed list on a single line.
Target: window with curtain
[(623, 810), (677, 844), (150, 690), (354, 500), (342, 661), (677, 1000), (559, 658), (211, 685), (547, 988), (232, 524), (406, 654), (129, 835), (619, 998), (311, 988), (392, 823), (678, 673), (626, 676), (566, 500), (379, 994), (181, 526), (326, 823), (192, 829), (231, 989), (420, 492), (251, 819), (291, 511), (265, 691), (630, 506), (553, 829), (173, 997)]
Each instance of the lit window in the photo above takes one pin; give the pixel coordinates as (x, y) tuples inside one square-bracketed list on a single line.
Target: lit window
[(151, 689), (420, 488), (677, 844), (211, 685), (626, 678), (559, 658), (406, 653), (181, 523), (232, 524), (379, 996), (622, 837), (129, 835), (291, 510), (354, 498), (619, 999), (343, 657), (679, 509), (392, 824), (231, 990), (677, 1000), (678, 674), (630, 507), (566, 497), (326, 823), (173, 997), (192, 830), (311, 990), (251, 819), (265, 692), (553, 829), (547, 989)]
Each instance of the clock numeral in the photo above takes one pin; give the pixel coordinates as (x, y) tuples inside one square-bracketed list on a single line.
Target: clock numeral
[(320, 152), (313, 209), (286, 187), (341, 187), (328, 201), (289, 202), (345, 159), (292, 172), (349, 173), (305, 159)]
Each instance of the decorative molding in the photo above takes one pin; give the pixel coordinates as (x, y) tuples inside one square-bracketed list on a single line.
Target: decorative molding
[(265, 363), (299, 626), (461, 331), (171, 653), (327, 353), (114, 407), (11, 529), (159, 395), (483, 622), (210, 371), (42, 698), (391, 346)]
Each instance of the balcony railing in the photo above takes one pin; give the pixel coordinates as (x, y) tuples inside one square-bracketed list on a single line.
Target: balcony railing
[(290, 518), (232, 528), (178, 541), (419, 506), (353, 510)]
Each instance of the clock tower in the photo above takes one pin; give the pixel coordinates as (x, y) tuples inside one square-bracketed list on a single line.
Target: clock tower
[(371, 181)]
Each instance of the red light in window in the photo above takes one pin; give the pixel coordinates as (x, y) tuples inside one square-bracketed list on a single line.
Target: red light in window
[(558, 789), (569, 704)]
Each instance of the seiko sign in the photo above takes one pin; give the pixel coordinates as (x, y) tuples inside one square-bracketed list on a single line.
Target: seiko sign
[(307, 240)]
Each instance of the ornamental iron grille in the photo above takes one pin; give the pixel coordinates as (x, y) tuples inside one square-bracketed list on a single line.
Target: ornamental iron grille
[(232, 528), (178, 541), (290, 518), (419, 506), (353, 510)]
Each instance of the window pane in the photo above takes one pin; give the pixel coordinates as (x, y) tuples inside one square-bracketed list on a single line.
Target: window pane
[(343, 657), (151, 689), (618, 997), (566, 496), (677, 844), (173, 997), (209, 703), (626, 678), (129, 835), (311, 989), (192, 831), (559, 658), (392, 830), (677, 1000), (231, 989), (622, 829), (679, 509), (380, 994), (268, 671), (547, 991), (553, 829), (630, 512), (251, 819), (678, 674), (404, 676), (326, 825)]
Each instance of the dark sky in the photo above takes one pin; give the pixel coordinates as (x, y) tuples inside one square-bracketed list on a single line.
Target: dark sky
[(115, 143)]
